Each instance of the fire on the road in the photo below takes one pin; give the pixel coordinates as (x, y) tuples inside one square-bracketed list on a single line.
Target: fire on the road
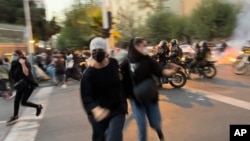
[(229, 56)]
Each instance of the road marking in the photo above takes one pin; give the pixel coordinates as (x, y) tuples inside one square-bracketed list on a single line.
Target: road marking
[(3, 122), (27, 126), (215, 96)]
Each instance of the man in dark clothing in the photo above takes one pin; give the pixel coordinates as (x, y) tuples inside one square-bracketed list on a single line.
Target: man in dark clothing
[(176, 52), (163, 52)]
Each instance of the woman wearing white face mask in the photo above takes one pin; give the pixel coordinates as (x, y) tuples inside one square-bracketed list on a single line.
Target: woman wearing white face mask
[(137, 69)]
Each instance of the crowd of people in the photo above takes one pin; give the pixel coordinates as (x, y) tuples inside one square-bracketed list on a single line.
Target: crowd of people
[(106, 82)]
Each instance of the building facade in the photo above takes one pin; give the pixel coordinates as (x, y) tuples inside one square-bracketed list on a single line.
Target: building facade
[(11, 38)]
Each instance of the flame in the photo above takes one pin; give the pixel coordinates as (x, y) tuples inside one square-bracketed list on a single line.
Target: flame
[(232, 59), (229, 56)]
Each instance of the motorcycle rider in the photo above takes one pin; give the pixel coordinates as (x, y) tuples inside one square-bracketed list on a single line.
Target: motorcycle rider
[(163, 52), (175, 52), (202, 54)]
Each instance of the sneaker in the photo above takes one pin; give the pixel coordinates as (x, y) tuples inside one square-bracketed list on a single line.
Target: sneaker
[(64, 86), (39, 110), (12, 120)]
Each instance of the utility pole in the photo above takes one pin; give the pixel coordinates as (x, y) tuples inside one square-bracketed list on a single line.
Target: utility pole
[(30, 40), (28, 26)]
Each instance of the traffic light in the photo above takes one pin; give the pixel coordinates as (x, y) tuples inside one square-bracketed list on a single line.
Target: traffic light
[(106, 33)]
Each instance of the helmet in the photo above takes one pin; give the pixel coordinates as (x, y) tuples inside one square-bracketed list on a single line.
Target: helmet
[(174, 42), (196, 45), (203, 44), (163, 44)]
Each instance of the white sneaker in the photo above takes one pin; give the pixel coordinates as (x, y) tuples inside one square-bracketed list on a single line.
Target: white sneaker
[(64, 86)]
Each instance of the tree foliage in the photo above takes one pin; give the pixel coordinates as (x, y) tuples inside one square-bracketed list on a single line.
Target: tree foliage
[(12, 12), (164, 25), (82, 23), (213, 19), (151, 4)]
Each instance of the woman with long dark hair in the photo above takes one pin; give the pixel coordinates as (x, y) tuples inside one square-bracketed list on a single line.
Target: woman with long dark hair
[(20, 73), (138, 68)]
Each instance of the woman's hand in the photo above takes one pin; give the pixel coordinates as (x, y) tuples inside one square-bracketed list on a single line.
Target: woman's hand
[(22, 61), (24, 67), (100, 113)]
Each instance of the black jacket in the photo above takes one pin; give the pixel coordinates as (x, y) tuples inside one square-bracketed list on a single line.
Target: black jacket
[(102, 87), (16, 73), (142, 70)]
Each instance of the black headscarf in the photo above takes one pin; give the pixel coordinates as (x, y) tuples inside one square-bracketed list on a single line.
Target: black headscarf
[(134, 55)]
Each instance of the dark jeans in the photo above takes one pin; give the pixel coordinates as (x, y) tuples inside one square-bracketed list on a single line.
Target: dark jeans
[(152, 112), (22, 96), (110, 129), (60, 78)]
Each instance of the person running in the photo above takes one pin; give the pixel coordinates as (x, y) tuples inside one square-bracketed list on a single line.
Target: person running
[(20, 72)]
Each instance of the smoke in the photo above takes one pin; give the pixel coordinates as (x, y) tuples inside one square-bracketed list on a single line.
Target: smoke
[(242, 31)]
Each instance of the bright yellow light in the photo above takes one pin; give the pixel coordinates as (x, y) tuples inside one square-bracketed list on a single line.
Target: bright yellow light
[(232, 59), (241, 52), (32, 41)]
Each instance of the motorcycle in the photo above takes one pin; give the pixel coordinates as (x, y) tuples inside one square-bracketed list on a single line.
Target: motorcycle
[(206, 69), (178, 80), (241, 65)]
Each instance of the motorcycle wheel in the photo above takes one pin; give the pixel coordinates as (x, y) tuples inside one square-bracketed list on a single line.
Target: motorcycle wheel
[(240, 68), (210, 72), (180, 81)]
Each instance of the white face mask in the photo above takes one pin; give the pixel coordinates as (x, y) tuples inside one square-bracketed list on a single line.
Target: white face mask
[(144, 51)]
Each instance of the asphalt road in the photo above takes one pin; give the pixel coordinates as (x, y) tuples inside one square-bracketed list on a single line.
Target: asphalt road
[(201, 111)]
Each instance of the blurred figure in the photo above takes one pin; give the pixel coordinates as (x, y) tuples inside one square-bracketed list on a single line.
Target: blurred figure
[(21, 73), (175, 51), (122, 54), (84, 64), (101, 92), (6, 62), (203, 53), (163, 52), (4, 77), (60, 70), (41, 61), (138, 68), (51, 67), (73, 67), (223, 46)]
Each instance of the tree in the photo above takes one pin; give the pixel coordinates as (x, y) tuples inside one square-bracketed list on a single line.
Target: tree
[(83, 22), (127, 24), (151, 4), (164, 26), (12, 12), (213, 19)]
